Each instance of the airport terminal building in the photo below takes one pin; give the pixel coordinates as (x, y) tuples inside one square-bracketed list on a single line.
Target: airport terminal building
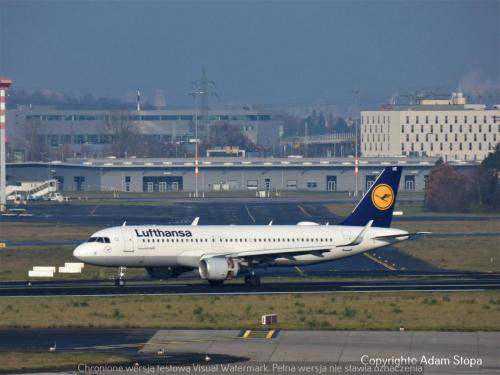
[(221, 174), (88, 133)]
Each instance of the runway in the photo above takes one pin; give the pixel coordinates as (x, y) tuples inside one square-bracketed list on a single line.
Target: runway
[(470, 282)]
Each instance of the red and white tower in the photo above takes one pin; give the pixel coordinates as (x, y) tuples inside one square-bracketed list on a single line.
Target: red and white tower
[(4, 86)]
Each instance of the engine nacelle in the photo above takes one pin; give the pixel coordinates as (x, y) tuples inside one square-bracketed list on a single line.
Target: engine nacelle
[(218, 268), (165, 272)]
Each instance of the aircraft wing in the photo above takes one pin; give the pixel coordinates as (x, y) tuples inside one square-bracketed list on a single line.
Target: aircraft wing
[(284, 252)]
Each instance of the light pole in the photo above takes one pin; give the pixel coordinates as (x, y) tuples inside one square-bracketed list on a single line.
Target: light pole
[(196, 146), (306, 144), (195, 94), (356, 156)]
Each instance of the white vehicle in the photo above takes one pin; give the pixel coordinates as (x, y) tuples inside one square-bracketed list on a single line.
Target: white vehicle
[(57, 197), (224, 252)]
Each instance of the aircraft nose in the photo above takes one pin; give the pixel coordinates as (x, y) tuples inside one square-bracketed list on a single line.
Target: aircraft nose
[(82, 252)]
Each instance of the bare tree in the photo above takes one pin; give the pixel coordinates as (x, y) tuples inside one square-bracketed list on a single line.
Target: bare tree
[(124, 135), (36, 148)]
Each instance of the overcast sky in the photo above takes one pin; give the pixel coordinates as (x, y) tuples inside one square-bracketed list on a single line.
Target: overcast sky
[(270, 52)]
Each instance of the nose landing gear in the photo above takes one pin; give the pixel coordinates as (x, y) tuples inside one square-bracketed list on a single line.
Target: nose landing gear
[(121, 276)]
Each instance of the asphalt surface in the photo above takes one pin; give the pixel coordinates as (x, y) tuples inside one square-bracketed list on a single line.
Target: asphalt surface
[(470, 282), (40, 340), (346, 348), (340, 349), (125, 342), (213, 212)]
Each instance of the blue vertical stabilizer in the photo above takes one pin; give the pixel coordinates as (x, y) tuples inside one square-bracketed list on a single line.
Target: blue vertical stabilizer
[(378, 203)]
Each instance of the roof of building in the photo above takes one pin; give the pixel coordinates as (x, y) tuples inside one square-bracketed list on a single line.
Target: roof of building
[(231, 162)]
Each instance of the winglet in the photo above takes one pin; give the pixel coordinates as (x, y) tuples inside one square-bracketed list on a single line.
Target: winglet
[(359, 237), (195, 221)]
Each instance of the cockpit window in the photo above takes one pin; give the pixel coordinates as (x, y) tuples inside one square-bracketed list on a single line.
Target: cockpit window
[(99, 239)]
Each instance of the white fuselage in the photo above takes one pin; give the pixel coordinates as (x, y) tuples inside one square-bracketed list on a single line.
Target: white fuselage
[(149, 245)]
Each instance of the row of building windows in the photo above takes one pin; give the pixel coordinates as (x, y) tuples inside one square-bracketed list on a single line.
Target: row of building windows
[(163, 240), (451, 146), (102, 139), (148, 117), (464, 137), (375, 128), (460, 129), (428, 119), (465, 119), (366, 119), (371, 137)]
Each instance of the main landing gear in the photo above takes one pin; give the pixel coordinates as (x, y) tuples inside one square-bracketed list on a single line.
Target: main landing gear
[(215, 282), (121, 276), (252, 279)]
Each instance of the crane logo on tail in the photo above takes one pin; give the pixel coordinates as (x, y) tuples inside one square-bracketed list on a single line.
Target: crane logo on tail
[(382, 196)]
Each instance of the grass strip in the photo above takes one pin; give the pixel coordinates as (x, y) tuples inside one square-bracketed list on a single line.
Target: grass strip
[(441, 311)]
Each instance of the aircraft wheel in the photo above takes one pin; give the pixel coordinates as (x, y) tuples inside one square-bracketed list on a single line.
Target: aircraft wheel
[(120, 282), (252, 280), (216, 282)]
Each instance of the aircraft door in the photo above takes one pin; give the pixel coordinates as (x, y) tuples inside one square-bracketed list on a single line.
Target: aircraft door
[(128, 240)]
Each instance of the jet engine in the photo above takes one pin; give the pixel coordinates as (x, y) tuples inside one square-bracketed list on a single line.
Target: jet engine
[(218, 268), (165, 272)]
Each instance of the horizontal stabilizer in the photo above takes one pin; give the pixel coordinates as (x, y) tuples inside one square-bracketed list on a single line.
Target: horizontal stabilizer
[(390, 236)]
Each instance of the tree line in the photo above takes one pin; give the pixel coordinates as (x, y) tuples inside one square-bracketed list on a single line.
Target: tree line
[(450, 190)]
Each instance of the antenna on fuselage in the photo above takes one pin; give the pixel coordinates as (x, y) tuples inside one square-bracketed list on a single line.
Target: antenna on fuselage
[(270, 223), (124, 224), (195, 221)]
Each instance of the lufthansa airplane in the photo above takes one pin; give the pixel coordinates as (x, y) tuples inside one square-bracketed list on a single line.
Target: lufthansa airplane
[(223, 252)]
